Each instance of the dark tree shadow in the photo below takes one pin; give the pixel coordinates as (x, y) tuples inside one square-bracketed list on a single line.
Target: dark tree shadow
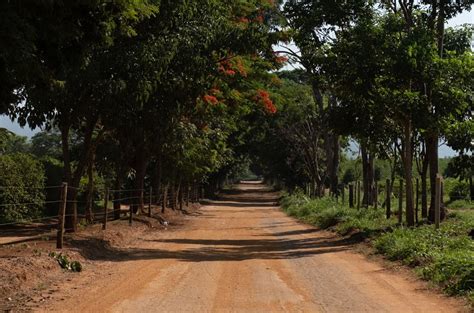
[(213, 250), (26, 230)]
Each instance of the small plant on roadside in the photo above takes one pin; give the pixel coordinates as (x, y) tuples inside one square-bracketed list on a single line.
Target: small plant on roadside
[(444, 256), (63, 261), (461, 204)]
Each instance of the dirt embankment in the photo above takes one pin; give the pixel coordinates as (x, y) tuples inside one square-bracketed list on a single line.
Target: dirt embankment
[(30, 278)]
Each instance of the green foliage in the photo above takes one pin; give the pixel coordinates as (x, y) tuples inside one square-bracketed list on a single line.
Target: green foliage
[(283, 145), (349, 176), (12, 143), (456, 189), (461, 204), (445, 256), (53, 172), (459, 39), (65, 263), (21, 187), (327, 213), (46, 144)]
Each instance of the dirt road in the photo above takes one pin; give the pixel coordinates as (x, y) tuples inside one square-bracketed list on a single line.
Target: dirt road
[(243, 254)]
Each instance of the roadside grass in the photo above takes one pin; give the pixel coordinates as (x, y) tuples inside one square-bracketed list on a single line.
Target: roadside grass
[(326, 213), (461, 204), (444, 256)]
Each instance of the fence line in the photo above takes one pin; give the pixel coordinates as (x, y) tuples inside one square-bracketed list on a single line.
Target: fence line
[(396, 191), (34, 220), (24, 187), (158, 200), (30, 203)]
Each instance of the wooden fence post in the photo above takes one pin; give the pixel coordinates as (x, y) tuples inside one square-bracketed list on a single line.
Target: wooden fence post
[(106, 203), (388, 203), (438, 201), (130, 210), (400, 203), (164, 196), (343, 193), (441, 201), (187, 195), (116, 204), (351, 195), (376, 196), (61, 216), (180, 197), (149, 202), (417, 197), (358, 194)]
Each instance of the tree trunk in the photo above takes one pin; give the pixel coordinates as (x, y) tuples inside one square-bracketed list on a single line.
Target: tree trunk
[(332, 151), (471, 188), (73, 179), (173, 196), (393, 168), (138, 201), (367, 175), (90, 191), (370, 180), (158, 177), (432, 152), (332, 161), (70, 223), (179, 204), (187, 194), (408, 168), (165, 198), (365, 162), (433, 135), (140, 172), (180, 196), (117, 195), (424, 188)]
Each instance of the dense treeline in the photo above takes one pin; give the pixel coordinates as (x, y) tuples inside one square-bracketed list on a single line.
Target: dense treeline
[(150, 93), (386, 74), (165, 94)]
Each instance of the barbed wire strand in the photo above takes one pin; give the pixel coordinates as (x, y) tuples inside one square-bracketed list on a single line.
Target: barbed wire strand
[(23, 187), (29, 203)]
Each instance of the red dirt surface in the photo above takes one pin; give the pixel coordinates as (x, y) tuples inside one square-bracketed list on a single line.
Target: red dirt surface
[(30, 278), (240, 254)]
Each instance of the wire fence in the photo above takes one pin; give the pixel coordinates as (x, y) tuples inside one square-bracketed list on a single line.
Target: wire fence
[(94, 205), (392, 196)]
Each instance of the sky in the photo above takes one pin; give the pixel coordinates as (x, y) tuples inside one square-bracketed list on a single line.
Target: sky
[(466, 17)]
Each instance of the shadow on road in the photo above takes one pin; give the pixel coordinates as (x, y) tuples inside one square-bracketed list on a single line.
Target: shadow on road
[(254, 203), (22, 230), (213, 250)]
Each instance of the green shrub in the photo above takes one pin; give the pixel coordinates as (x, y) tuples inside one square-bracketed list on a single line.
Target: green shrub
[(461, 204), (445, 256), (453, 270), (21, 182), (53, 169), (330, 216), (349, 176), (326, 213), (368, 222), (457, 190), (65, 263)]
